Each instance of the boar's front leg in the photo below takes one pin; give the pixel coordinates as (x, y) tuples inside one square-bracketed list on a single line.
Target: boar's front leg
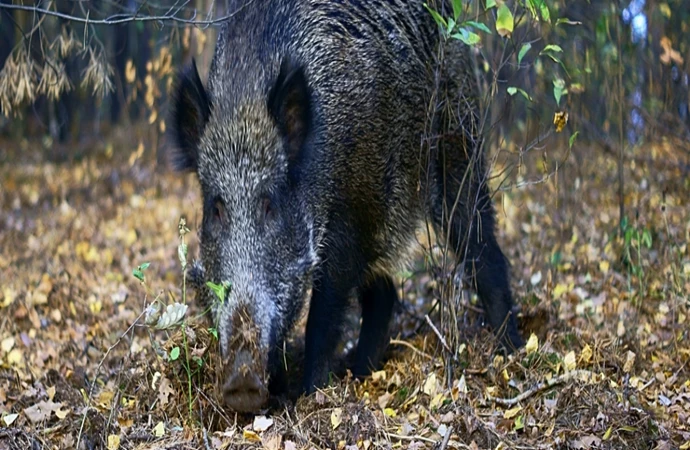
[(377, 299), (324, 329)]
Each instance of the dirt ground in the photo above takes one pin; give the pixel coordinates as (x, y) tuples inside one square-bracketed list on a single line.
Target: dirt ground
[(606, 364)]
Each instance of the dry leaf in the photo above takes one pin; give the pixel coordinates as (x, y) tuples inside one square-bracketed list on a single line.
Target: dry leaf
[(431, 386), (165, 390), (159, 429), (336, 417), (586, 354), (41, 411), (569, 361), (251, 436), (532, 344), (262, 423), (629, 362), (510, 413), (113, 442)]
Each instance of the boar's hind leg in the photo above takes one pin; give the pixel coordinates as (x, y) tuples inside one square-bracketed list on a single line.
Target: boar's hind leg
[(324, 328), (488, 271), (377, 299), (485, 264)]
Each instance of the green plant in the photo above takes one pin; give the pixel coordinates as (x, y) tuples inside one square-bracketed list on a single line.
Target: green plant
[(635, 239)]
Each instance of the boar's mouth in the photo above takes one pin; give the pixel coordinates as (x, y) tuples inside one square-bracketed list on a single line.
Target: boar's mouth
[(244, 391), (246, 384)]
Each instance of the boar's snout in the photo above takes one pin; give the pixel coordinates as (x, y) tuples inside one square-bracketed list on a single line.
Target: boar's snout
[(244, 390)]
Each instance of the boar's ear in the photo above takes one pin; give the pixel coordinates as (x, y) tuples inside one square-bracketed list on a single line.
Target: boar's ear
[(289, 102), (192, 109)]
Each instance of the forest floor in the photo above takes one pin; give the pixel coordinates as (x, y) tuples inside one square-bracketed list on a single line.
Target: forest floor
[(606, 320)]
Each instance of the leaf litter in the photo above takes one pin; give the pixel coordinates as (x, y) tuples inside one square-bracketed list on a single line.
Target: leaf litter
[(605, 365)]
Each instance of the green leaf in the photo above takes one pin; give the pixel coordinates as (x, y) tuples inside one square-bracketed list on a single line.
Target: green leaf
[(490, 4), (504, 21), (174, 353), (451, 26), (437, 17), (559, 90), (523, 51), (544, 10), (457, 9), (219, 289), (512, 90), (478, 25), (572, 139), (551, 48), (647, 238), (466, 36), (139, 275), (214, 332)]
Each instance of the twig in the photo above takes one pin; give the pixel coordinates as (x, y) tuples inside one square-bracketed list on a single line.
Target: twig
[(438, 334), (446, 438), (115, 21), (581, 374), (410, 438), (411, 347), (98, 370)]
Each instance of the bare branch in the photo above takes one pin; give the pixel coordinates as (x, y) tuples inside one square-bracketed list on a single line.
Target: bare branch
[(171, 16)]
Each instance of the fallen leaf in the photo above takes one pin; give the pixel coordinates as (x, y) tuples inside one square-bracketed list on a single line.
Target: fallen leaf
[(262, 423), (510, 413), (159, 429), (41, 411), (586, 354), (165, 390), (336, 417), (431, 386), (113, 442), (9, 419), (251, 436), (569, 361), (532, 344), (629, 362)]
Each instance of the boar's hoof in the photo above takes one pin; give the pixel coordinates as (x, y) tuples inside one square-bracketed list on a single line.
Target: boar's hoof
[(244, 391)]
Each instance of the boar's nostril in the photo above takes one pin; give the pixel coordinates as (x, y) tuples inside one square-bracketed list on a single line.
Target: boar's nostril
[(244, 391)]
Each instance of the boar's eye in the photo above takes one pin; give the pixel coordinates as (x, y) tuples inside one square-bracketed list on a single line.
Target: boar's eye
[(217, 210), (266, 210)]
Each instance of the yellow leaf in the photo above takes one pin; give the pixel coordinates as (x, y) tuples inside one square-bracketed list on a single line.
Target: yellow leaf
[(569, 361), (159, 430), (586, 354), (390, 412), (7, 344), (559, 290), (62, 413), (560, 118), (532, 344), (251, 436), (8, 296), (378, 376), (437, 401), (607, 435), (15, 357), (113, 442), (510, 413), (629, 362), (336, 417), (430, 385), (604, 266)]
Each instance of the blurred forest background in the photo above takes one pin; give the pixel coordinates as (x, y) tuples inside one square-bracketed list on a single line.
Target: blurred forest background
[(588, 131)]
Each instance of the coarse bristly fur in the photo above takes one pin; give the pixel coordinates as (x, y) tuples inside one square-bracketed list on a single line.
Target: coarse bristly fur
[(312, 145)]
